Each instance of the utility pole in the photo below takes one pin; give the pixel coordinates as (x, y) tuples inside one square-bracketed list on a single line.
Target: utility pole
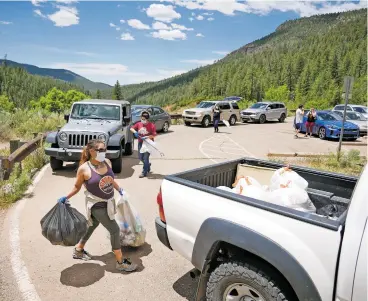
[(348, 87)]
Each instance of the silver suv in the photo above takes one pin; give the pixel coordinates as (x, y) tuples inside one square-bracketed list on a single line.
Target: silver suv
[(264, 111), (202, 114), (107, 120)]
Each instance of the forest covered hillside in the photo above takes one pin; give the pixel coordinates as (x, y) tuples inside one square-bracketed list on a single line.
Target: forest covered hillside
[(303, 61)]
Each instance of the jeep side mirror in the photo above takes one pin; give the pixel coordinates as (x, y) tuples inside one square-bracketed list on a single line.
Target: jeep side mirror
[(127, 119), (66, 117)]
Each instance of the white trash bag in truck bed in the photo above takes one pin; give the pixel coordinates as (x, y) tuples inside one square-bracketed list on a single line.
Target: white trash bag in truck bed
[(243, 182), (285, 177), (132, 232), (293, 197)]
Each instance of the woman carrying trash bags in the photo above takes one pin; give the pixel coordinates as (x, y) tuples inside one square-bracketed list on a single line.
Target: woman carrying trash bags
[(96, 174)]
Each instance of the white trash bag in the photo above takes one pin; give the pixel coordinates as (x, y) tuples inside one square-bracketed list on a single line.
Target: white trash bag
[(132, 232), (254, 192), (294, 197), (243, 182), (225, 188), (285, 177), (226, 123), (151, 147)]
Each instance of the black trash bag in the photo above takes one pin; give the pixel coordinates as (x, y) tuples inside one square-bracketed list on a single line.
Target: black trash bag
[(331, 210), (63, 225)]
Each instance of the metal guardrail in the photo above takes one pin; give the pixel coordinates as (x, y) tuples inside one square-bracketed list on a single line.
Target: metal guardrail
[(18, 154), (176, 116)]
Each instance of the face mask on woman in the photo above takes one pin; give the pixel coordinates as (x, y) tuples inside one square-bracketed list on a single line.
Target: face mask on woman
[(144, 121), (101, 157)]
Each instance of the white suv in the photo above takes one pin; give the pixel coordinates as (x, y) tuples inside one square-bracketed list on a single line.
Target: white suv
[(202, 114), (354, 108)]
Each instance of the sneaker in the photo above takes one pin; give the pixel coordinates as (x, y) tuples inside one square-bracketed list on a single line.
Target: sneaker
[(84, 255), (126, 266), (142, 175), (149, 168)]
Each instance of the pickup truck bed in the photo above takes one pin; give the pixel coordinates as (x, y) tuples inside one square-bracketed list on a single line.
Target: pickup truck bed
[(323, 187)]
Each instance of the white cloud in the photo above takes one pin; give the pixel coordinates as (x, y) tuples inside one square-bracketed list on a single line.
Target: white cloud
[(207, 14), (61, 50), (66, 1), (127, 37), (303, 8), (170, 73), (164, 13), (199, 17), (137, 24), (211, 19), (199, 35), (193, 14), (112, 25), (65, 16), (39, 13), (191, 19), (199, 62), (122, 21), (117, 28), (180, 27), (92, 68), (221, 52), (169, 35), (160, 25), (37, 2), (6, 22)]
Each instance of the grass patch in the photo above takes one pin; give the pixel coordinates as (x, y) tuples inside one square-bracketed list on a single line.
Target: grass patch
[(21, 177), (23, 123), (350, 163)]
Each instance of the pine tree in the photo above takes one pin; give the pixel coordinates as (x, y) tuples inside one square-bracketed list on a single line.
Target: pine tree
[(117, 91), (98, 94)]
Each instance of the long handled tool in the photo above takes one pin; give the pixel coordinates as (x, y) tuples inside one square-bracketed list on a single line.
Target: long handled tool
[(161, 153)]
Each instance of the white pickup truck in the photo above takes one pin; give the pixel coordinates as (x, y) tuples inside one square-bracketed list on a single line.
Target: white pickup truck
[(249, 250)]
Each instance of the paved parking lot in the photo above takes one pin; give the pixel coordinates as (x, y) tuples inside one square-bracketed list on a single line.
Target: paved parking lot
[(46, 272)]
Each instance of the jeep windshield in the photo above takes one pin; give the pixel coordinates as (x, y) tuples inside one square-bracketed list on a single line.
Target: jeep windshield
[(259, 105), (95, 111), (205, 105)]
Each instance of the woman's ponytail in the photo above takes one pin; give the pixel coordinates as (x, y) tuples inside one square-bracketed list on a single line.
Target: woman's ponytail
[(85, 156)]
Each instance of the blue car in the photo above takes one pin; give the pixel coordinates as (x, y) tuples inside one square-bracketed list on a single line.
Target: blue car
[(328, 126)]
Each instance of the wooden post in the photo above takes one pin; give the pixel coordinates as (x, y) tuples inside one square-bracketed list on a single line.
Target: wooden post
[(35, 135), (14, 145)]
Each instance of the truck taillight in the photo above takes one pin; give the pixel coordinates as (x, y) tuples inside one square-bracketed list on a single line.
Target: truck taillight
[(161, 206)]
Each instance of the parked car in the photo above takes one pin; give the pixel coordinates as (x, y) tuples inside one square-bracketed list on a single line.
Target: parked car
[(202, 114), (264, 111), (356, 118), (328, 126), (158, 116), (353, 108), (103, 119), (247, 249)]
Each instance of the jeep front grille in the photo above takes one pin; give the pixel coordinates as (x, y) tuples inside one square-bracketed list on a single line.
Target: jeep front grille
[(80, 140)]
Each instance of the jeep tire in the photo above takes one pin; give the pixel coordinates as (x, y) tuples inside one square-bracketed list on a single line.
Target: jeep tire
[(56, 164), (242, 280), (117, 164), (128, 150)]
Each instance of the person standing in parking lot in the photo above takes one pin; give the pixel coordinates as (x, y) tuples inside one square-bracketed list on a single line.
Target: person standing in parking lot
[(311, 119), (143, 130), (216, 117), (299, 120)]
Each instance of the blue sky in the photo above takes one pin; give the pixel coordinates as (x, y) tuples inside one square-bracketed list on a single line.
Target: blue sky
[(136, 41)]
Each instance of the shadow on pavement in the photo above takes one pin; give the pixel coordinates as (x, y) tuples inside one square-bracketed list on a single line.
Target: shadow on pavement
[(135, 254), (155, 176), (69, 170), (186, 287), (86, 274), (82, 274)]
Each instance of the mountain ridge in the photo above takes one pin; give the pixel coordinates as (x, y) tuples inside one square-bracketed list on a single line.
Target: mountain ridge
[(61, 74)]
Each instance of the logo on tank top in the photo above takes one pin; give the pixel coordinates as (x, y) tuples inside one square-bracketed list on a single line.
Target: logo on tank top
[(106, 184)]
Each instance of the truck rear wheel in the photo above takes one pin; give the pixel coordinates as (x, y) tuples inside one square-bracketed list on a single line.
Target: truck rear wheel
[(240, 281), (56, 164)]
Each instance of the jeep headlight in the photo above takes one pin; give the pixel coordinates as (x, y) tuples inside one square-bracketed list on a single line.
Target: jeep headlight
[(102, 137), (63, 136)]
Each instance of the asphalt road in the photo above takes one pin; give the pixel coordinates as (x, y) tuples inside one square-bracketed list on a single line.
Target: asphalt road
[(33, 269)]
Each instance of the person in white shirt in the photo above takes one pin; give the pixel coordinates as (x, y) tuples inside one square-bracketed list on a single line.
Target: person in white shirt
[(299, 119)]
